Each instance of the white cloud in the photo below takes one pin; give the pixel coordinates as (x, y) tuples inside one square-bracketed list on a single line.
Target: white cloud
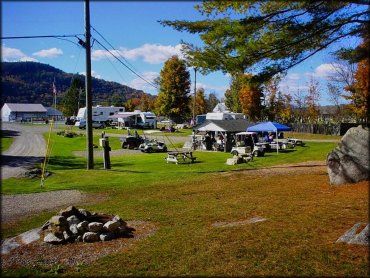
[(9, 54), (292, 83), (140, 84), (219, 90), (292, 76), (49, 53), (323, 71), (150, 53), (28, 59), (93, 74)]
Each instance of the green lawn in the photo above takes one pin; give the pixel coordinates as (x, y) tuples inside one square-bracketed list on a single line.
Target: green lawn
[(6, 140), (305, 215)]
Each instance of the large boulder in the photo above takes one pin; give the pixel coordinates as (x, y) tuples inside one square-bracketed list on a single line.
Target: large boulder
[(349, 161)]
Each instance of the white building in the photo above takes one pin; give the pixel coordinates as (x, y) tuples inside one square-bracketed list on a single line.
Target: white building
[(23, 112), (99, 113)]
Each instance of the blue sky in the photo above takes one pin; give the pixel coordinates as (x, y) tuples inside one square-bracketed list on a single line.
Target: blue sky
[(133, 29)]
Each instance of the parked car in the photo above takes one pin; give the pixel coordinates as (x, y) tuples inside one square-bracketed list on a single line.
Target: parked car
[(150, 146), (131, 142), (82, 124)]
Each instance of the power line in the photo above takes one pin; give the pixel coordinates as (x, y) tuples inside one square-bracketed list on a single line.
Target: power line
[(138, 75), (38, 37), (119, 53)]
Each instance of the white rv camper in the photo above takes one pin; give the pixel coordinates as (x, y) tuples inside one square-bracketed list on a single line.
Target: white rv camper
[(135, 119), (99, 113)]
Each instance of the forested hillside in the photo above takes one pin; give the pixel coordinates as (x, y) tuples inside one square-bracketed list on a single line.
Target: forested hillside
[(30, 82)]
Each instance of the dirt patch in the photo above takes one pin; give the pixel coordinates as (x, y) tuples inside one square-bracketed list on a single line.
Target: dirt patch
[(39, 253), (307, 167), (20, 206)]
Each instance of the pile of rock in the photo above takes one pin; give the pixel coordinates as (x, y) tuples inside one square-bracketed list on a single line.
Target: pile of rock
[(36, 173), (238, 159), (72, 224)]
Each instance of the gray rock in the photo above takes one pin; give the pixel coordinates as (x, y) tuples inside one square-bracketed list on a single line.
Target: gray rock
[(84, 212), (53, 239), (355, 235), (73, 219), (90, 237), (73, 228), (46, 225), (349, 161), (71, 210), (95, 227), (107, 236), (111, 225), (58, 221), (83, 226)]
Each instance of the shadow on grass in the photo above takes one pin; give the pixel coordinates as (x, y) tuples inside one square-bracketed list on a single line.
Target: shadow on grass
[(9, 133), (66, 162), (124, 171), (20, 161)]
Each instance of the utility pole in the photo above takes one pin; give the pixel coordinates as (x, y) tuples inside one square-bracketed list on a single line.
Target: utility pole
[(90, 150), (195, 92)]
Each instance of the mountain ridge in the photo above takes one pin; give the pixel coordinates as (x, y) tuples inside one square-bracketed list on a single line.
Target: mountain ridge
[(32, 82)]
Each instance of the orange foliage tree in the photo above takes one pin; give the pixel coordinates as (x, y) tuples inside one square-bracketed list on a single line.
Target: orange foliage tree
[(359, 92), (200, 103), (250, 96)]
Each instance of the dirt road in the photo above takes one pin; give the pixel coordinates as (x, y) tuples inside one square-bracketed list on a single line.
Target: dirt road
[(27, 149)]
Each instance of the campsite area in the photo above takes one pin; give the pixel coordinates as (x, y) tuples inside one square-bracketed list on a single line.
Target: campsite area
[(277, 215)]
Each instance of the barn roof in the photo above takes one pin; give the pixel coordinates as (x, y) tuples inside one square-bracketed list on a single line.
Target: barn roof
[(26, 107)]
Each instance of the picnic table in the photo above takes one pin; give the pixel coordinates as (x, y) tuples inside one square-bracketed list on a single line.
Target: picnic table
[(295, 141), (180, 157)]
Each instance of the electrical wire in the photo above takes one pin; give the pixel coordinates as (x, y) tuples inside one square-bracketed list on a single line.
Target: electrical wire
[(119, 53), (132, 69), (119, 60), (115, 68), (43, 36)]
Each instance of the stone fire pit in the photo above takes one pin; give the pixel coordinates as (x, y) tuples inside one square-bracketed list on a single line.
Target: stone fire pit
[(72, 224)]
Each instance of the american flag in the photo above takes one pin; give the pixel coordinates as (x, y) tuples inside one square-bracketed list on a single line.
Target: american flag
[(54, 88)]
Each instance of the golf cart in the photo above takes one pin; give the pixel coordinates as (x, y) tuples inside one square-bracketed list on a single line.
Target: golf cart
[(150, 146), (248, 142), (131, 142)]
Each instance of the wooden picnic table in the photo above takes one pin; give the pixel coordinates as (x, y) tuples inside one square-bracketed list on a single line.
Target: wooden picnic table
[(180, 157), (295, 141)]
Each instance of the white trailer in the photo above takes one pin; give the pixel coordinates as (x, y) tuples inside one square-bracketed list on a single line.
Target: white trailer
[(99, 113), (224, 116), (135, 119)]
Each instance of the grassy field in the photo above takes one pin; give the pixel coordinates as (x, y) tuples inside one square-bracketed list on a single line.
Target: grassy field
[(6, 141), (305, 215)]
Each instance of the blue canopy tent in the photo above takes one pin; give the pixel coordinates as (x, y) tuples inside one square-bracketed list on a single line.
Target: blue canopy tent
[(269, 127)]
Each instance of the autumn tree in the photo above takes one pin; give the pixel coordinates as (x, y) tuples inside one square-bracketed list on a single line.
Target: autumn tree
[(359, 92), (300, 106), (311, 101), (117, 99), (71, 100), (272, 97), (268, 37), (147, 104), (286, 112), (232, 95), (132, 104), (211, 102), (250, 96), (173, 98), (200, 106)]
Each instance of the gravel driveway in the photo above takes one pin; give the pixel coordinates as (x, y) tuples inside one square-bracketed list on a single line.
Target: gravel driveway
[(27, 149)]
